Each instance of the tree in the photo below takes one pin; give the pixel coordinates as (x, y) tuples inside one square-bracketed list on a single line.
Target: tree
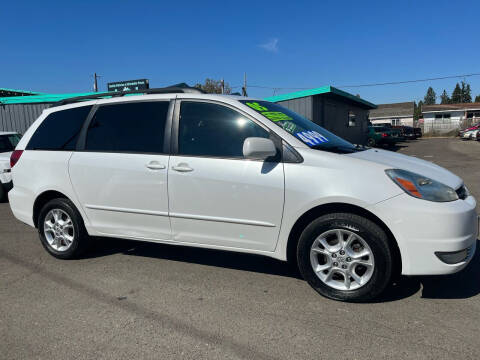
[(462, 94), (430, 97), (477, 98), (466, 93), (456, 95), (417, 110), (445, 99), (212, 86)]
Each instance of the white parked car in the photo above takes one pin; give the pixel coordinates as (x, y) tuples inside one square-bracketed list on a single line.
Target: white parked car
[(471, 135), (239, 174), (8, 142)]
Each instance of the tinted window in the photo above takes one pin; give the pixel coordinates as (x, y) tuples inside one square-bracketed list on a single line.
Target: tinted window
[(132, 127), (5, 144), (59, 130), (207, 129), (8, 142), (14, 139)]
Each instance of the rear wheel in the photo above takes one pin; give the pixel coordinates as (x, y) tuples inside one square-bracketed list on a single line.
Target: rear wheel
[(3, 193), (61, 229), (345, 257), (371, 142)]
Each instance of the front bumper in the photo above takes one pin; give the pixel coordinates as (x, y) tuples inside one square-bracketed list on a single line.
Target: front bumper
[(423, 228)]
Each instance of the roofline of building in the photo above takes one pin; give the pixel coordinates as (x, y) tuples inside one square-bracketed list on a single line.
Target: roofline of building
[(41, 98), (319, 91), (450, 110), (21, 91), (390, 117)]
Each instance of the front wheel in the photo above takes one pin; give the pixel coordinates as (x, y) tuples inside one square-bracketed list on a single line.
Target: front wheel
[(345, 257)]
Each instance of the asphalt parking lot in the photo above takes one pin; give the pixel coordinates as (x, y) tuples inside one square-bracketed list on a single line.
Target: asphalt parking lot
[(129, 299)]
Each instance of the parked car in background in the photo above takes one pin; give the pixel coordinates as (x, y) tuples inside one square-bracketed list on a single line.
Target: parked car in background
[(462, 132), (8, 141), (418, 132), (380, 136), (471, 135), (395, 131), (408, 133), (239, 174)]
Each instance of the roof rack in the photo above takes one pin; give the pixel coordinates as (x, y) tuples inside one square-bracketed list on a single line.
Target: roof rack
[(180, 88)]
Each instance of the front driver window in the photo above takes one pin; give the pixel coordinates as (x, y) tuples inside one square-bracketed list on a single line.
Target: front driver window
[(208, 129)]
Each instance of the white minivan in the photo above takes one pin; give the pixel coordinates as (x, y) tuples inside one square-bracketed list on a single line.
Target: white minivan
[(181, 167)]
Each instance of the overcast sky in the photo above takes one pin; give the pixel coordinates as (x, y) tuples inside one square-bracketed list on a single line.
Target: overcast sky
[(57, 46)]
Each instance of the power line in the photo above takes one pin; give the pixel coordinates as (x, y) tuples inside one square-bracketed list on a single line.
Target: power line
[(276, 88), (412, 81)]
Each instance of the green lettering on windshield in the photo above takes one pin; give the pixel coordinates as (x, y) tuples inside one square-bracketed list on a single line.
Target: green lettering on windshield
[(256, 106), (276, 116)]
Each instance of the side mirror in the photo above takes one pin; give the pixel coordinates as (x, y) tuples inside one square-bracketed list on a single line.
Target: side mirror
[(258, 148)]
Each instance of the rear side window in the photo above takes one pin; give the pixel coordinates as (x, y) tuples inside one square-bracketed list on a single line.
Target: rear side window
[(207, 129), (132, 127), (59, 130)]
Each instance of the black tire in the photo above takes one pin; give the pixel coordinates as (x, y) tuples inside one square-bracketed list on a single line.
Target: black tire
[(80, 236), (375, 238), (371, 142), (3, 194)]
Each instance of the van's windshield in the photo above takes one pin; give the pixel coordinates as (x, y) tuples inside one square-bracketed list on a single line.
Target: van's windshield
[(307, 131)]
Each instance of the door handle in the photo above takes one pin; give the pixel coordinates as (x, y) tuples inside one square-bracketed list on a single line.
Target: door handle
[(154, 165), (182, 167)]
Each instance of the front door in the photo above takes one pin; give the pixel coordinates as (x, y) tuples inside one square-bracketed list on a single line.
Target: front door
[(120, 177), (217, 197)]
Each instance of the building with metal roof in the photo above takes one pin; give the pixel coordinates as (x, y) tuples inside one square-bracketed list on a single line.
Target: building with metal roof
[(395, 114), (340, 112), (12, 92), (447, 119)]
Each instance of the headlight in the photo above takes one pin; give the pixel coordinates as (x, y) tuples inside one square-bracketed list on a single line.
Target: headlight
[(422, 187)]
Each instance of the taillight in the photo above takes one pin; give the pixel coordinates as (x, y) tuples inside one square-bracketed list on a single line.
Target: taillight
[(384, 135), (15, 157)]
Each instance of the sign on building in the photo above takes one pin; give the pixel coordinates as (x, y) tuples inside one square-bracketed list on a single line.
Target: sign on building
[(128, 85)]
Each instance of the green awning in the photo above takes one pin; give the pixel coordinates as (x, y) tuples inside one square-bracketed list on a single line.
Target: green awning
[(319, 91)]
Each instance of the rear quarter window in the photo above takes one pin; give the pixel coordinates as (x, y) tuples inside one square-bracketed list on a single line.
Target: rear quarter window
[(59, 130)]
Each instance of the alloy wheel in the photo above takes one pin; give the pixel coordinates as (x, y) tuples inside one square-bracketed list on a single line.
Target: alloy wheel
[(342, 259), (59, 230)]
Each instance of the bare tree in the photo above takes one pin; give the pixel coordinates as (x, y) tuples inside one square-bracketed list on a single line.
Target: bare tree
[(212, 86)]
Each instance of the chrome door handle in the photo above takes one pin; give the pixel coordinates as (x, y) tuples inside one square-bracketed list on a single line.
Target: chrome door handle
[(182, 167), (155, 165)]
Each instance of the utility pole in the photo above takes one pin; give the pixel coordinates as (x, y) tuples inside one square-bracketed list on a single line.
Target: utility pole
[(95, 83), (222, 84), (244, 88)]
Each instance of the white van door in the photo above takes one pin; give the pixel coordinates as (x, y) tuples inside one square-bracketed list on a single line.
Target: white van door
[(120, 176), (217, 197)]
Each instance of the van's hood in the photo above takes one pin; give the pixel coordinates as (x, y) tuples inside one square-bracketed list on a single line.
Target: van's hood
[(410, 163)]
